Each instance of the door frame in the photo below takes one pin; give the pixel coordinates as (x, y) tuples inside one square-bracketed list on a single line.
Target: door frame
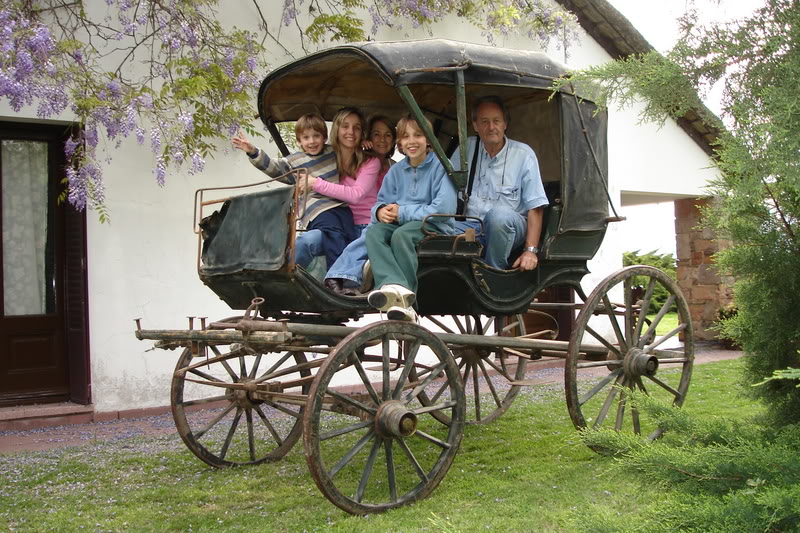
[(70, 254)]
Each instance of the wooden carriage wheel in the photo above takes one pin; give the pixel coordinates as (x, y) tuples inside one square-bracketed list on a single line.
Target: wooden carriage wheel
[(242, 429), (486, 372), (376, 447), (637, 359)]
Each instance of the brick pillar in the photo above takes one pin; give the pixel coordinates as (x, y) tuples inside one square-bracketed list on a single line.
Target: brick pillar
[(705, 290)]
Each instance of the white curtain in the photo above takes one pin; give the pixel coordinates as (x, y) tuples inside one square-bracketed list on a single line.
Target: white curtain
[(24, 174)]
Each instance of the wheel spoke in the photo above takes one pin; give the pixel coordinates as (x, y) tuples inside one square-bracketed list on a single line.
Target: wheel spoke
[(614, 323), (665, 386), (594, 364), (242, 367), (387, 444), (604, 342), (621, 406), (467, 371), (268, 424), (599, 386), (662, 339), (357, 447), (437, 407), (439, 323), (439, 392), (459, 325), (266, 375), (637, 428), (364, 379), (344, 430), (477, 391), (231, 432), (355, 403), (411, 356), (373, 454), (497, 400), (503, 372), (433, 439), (214, 421), (210, 399), (205, 376), (656, 320), (420, 472), (601, 416), (256, 364), (628, 313), (225, 364), (385, 345), (282, 408), (421, 387), (648, 295), (251, 443)]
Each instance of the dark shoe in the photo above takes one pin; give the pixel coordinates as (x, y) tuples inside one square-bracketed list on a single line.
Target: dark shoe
[(334, 285)]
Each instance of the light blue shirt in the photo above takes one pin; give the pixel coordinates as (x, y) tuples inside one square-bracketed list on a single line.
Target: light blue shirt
[(511, 179)]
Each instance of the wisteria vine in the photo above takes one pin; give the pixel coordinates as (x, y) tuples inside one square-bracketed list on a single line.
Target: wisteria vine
[(167, 73), (159, 69)]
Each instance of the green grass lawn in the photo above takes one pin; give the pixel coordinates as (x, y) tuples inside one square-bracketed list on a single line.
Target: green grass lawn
[(527, 471), (667, 323)]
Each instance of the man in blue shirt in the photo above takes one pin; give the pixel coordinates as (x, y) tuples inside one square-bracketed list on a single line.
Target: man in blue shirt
[(507, 192)]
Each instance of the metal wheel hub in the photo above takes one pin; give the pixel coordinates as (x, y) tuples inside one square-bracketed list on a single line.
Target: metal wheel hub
[(393, 419), (243, 398), (639, 363), (471, 355)]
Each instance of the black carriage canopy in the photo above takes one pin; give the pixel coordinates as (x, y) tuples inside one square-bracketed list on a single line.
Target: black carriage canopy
[(567, 131)]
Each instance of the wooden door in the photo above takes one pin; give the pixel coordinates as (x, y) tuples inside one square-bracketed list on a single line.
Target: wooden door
[(35, 355)]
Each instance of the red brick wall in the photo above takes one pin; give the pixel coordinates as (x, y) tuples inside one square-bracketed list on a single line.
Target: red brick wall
[(705, 290)]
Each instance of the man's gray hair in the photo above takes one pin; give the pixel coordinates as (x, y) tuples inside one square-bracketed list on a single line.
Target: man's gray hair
[(490, 99)]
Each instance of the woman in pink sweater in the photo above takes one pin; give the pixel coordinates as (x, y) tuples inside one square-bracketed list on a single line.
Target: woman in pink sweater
[(358, 171), (346, 274)]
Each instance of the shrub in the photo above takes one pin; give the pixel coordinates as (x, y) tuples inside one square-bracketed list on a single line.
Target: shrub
[(663, 262)]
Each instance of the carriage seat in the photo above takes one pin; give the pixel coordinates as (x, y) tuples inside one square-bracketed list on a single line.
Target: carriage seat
[(465, 245)]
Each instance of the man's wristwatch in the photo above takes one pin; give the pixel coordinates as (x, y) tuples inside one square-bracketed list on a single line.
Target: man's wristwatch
[(532, 249)]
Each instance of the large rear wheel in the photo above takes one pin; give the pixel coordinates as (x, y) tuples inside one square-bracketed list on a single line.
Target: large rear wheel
[(642, 352), (374, 446)]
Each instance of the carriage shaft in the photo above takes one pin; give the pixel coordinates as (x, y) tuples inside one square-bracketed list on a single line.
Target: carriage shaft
[(271, 334)]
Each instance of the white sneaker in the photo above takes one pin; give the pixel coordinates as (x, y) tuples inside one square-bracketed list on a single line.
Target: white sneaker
[(405, 314), (366, 277), (391, 296)]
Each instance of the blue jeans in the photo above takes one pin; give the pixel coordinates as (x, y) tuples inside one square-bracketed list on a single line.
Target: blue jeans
[(504, 232), (350, 265), (307, 246)]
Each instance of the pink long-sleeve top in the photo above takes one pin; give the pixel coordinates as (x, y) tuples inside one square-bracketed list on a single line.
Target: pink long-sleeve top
[(359, 192)]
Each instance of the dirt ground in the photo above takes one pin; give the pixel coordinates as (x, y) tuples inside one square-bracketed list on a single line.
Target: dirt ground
[(545, 372)]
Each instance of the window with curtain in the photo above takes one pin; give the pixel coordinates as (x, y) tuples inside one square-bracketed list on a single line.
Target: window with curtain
[(28, 266)]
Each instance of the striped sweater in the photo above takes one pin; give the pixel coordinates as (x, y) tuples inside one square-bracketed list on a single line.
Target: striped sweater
[(322, 165)]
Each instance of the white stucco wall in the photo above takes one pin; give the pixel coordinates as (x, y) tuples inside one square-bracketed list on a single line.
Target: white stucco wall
[(142, 264)]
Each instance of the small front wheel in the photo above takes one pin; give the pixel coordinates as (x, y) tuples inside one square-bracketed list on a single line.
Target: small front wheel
[(370, 444)]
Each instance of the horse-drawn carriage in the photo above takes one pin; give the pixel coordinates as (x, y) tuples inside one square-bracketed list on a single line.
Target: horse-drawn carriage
[(382, 407)]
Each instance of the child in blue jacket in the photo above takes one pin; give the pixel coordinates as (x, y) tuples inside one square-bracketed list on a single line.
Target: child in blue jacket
[(414, 188)]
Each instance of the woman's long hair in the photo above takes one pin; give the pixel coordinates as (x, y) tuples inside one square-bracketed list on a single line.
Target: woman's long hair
[(348, 168), (386, 160)]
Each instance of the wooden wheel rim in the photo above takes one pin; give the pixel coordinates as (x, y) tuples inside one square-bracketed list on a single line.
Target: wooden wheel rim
[(633, 365), (346, 351), (243, 415)]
